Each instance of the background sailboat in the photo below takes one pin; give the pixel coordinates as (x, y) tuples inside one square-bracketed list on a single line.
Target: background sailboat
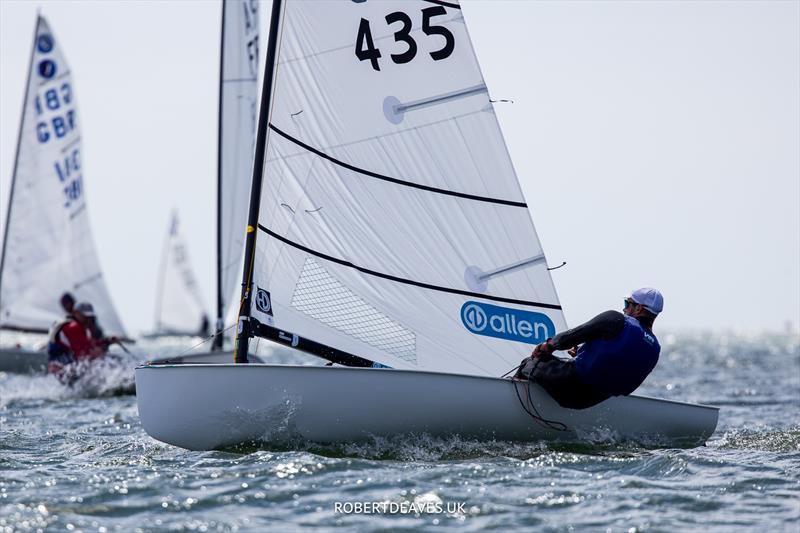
[(238, 93), (390, 230), (180, 308), (48, 247)]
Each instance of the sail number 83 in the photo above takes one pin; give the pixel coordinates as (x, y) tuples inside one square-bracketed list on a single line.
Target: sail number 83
[(365, 47)]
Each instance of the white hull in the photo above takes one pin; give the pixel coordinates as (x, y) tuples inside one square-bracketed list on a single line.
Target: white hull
[(20, 361), (206, 407)]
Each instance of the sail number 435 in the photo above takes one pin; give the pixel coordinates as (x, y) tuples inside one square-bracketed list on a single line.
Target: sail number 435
[(365, 46)]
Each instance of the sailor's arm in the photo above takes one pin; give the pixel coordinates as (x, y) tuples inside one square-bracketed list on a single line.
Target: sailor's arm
[(606, 325)]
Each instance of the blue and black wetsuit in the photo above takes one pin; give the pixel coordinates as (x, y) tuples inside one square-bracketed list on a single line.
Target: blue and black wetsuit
[(616, 354)]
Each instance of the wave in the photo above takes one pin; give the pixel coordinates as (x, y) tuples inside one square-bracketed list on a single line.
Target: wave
[(111, 376), (783, 440)]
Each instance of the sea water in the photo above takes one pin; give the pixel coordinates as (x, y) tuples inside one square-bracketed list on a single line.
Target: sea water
[(78, 459)]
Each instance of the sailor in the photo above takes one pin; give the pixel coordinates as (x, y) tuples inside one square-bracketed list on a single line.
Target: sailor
[(612, 354), (94, 326), (67, 303), (72, 340), (204, 326), (57, 354)]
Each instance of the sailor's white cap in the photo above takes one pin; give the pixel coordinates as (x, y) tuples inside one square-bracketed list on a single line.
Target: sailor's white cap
[(650, 298)]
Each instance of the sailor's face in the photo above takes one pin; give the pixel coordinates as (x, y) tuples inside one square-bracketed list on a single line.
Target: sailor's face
[(631, 308)]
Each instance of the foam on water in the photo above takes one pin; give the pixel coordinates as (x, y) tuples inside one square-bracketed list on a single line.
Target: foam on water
[(786, 440), (97, 379), (15, 387)]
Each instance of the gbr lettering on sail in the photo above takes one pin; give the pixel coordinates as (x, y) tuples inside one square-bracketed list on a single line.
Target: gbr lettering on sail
[(56, 118)]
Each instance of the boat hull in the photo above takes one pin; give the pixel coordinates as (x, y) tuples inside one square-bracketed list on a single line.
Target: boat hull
[(20, 361), (203, 407)]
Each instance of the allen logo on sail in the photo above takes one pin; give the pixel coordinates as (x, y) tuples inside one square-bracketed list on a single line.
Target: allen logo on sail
[(506, 323)]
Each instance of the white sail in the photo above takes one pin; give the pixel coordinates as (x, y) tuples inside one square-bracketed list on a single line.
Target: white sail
[(392, 224), (180, 308), (48, 247), (237, 126)]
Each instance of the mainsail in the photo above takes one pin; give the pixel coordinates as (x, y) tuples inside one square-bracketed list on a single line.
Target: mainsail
[(48, 247), (237, 125), (180, 308), (391, 222)]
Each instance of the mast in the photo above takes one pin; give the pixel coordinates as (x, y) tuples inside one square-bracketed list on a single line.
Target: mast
[(16, 158), (219, 338), (243, 331)]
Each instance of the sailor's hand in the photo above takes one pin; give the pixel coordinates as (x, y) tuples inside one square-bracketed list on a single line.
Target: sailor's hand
[(544, 348), (573, 352)]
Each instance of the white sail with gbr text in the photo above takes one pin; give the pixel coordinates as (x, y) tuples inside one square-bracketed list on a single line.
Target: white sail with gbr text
[(48, 247), (392, 225), (180, 309)]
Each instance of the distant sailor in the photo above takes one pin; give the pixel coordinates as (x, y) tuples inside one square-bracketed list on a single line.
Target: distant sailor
[(57, 354), (67, 303), (613, 354), (72, 340), (205, 326)]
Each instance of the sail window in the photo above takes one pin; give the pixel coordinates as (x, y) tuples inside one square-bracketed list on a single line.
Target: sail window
[(321, 296)]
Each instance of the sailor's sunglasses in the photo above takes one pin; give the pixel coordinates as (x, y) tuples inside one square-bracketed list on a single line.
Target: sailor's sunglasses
[(628, 302)]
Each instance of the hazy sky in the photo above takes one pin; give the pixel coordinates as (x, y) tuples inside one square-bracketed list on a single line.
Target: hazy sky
[(658, 143)]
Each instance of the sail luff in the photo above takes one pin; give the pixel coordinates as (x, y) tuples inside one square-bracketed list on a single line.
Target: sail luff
[(219, 325), (19, 144), (243, 334)]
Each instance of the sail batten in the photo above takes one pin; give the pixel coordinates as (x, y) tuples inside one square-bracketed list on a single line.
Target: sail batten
[(391, 179), (48, 247), (404, 280)]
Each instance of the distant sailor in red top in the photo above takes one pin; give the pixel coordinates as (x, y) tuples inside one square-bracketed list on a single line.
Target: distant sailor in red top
[(613, 354), (72, 340)]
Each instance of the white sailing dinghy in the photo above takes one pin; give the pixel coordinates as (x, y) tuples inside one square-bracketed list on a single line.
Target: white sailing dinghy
[(389, 231), (48, 247), (238, 105), (180, 310)]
